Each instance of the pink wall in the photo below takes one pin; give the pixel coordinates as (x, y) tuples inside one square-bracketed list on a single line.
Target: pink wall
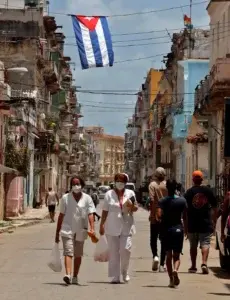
[(14, 195)]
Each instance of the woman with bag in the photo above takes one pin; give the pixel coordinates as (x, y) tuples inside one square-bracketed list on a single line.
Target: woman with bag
[(76, 211), (117, 223)]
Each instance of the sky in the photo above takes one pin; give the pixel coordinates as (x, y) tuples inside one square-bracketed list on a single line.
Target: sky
[(122, 76)]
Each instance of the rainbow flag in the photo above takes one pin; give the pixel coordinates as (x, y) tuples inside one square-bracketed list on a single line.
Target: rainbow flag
[(187, 22)]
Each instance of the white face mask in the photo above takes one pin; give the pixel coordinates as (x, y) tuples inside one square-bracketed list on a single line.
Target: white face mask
[(76, 189), (119, 185)]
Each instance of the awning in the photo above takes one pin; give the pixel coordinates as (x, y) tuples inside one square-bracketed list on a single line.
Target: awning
[(4, 169)]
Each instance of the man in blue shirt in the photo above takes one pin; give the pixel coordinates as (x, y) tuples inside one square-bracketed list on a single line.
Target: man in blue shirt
[(171, 210)]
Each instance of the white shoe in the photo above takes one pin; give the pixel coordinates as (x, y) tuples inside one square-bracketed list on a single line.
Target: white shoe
[(75, 280), (67, 279), (126, 278), (155, 263), (115, 280)]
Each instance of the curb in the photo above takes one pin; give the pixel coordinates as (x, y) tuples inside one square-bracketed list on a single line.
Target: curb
[(11, 228)]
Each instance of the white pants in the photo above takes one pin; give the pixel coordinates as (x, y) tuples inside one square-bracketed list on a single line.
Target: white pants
[(119, 254)]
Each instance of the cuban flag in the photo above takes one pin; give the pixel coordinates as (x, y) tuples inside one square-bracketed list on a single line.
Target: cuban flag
[(94, 41)]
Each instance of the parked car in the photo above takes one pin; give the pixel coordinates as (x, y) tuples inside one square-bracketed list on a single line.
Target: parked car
[(102, 189), (224, 253), (130, 186)]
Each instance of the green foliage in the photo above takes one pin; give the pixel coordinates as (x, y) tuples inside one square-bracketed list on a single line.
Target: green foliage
[(18, 159)]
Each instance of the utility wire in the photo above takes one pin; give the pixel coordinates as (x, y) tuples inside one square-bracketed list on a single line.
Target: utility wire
[(122, 15), (146, 44)]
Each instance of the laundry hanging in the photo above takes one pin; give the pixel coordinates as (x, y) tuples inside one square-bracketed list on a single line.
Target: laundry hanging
[(94, 41)]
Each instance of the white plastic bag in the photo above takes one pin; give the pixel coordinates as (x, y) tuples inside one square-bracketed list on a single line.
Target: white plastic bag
[(55, 259), (101, 253)]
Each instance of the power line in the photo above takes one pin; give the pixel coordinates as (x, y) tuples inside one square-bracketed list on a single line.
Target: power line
[(148, 44), (127, 14)]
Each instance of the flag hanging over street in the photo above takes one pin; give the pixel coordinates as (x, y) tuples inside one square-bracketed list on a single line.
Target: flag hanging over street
[(187, 22), (94, 41)]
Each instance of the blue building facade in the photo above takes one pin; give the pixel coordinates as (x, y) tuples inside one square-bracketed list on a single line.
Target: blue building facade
[(190, 73)]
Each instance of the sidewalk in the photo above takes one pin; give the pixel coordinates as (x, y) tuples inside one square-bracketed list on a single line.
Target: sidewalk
[(31, 217)]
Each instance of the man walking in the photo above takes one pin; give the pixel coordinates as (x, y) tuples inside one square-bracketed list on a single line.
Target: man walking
[(157, 191), (51, 201), (171, 211), (96, 201), (201, 214)]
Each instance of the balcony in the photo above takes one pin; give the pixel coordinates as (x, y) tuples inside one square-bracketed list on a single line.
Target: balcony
[(49, 24), (42, 162), (211, 91), (58, 101), (73, 169), (51, 77), (75, 137)]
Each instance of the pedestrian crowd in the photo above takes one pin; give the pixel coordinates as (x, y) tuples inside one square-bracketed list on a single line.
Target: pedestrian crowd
[(173, 216)]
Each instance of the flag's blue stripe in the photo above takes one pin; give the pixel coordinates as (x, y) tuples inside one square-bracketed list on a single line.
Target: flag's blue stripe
[(108, 40), (96, 48), (79, 39)]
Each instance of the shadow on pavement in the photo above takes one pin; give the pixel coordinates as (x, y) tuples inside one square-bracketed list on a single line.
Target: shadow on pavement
[(219, 294), (155, 286), (56, 283), (145, 271), (219, 273), (63, 284), (102, 282)]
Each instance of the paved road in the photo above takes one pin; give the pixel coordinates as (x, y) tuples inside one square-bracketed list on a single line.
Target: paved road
[(25, 275)]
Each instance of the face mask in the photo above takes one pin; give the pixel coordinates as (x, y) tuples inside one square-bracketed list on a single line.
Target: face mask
[(76, 189), (119, 185)]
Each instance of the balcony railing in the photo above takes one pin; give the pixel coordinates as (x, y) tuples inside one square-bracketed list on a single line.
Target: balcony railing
[(215, 86), (41, 162), (24, 94)]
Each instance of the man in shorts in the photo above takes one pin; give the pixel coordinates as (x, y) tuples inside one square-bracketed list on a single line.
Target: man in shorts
[(76, 211), (201, 213), (51, 201), (171, 210)]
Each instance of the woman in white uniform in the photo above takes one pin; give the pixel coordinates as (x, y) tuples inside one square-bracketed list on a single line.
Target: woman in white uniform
[(117, 223)]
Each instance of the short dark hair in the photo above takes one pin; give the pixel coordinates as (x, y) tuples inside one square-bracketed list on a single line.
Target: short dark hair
[(121, 176), (82, 182), (171, 185)]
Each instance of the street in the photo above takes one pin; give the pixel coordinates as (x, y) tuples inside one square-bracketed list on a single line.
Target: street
[(25, 274)]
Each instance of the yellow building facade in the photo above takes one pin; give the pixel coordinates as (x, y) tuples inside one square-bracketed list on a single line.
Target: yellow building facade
[(153, 79), (110, 152)]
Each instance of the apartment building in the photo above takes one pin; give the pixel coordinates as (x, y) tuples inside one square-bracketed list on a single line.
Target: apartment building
[(110, 153), (42, 129)]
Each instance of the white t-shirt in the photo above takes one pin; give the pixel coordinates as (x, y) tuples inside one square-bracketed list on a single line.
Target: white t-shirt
[(51, 199), (119, 221), (76, 214)]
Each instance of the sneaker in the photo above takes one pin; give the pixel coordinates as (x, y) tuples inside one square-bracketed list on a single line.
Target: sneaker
[(176, 279), (75, 280), (161, 269), (155, 263), (192, 270), (204, 269), (67, 279), (171, 283), (126, 278), (115, 280)]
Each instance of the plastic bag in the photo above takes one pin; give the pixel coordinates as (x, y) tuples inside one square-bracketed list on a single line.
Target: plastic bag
[(55, 259), (101, 253)]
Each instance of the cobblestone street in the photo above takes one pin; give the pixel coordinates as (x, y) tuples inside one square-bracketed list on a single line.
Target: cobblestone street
[(25, 275)]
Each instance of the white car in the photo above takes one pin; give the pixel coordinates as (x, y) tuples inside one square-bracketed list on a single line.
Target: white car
[(224, 255)]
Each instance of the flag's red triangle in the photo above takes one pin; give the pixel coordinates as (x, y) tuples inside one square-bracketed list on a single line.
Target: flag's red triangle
[(89, 22)]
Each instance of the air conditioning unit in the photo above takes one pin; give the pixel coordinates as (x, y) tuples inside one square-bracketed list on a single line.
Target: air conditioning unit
[(31, 3), (148, 135)]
